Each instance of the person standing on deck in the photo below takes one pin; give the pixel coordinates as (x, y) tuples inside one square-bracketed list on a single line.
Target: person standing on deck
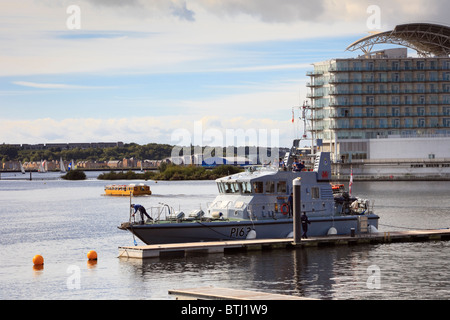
[(142, 211)]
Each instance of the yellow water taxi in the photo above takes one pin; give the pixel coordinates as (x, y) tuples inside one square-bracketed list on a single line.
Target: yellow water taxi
[(126, 190)]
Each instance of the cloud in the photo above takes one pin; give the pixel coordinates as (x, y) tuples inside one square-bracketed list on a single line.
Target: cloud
[(161, 36), (143, 130), (54, 85), (284, 11), (182, 12)]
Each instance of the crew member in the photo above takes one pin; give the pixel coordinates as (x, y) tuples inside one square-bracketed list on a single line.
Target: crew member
[(281, 164), (142, 211)]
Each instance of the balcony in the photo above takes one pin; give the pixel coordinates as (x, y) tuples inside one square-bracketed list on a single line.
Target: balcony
[(379, 80), (337, 104), (337, 92), (315, 95), (388, 126), (315, 73), (387, 69), (350, 115)]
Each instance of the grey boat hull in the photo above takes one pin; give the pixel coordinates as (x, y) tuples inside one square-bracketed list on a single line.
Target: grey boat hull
[(196, 231)]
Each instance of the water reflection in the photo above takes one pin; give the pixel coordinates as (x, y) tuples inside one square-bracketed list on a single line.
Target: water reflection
[(307, 272)]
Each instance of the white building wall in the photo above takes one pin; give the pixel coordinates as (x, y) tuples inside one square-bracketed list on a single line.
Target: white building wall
[(409, 148)]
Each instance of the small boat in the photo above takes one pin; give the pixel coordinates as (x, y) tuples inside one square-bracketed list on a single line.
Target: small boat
[(127, 190), (21, 168), (255, 204), (62, 168)]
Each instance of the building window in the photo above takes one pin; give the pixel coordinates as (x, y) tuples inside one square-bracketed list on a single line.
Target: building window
[(395, 77), (421, 99), (407, 65), (396, 100), (408, 123), (446, 64), (432, 65), (421, 123)]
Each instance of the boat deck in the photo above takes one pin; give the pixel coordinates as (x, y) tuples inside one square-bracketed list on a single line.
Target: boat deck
[(183, 249)]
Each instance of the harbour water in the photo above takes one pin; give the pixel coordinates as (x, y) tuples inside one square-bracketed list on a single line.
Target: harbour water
[(62, 220)]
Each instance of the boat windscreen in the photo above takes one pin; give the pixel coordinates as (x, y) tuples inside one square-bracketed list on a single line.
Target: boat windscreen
[(246, 187), (228, 187)]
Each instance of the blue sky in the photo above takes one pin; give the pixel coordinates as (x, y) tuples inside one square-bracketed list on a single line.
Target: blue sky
[(136, 71)]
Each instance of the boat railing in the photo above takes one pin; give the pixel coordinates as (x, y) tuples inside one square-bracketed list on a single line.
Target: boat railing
[(161, 212)]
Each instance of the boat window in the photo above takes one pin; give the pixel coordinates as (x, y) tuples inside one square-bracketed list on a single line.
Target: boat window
[(270, 187), (235, 187), (227, 187), (231, 187), (258, 186), (246, 187), (315, 193), (220, 187), (281, 187)]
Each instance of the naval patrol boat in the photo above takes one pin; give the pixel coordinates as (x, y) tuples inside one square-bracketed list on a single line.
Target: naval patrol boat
[(255, 204)]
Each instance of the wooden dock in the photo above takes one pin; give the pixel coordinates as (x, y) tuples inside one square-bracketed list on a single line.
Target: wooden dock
[(183, 249), (214, 293)]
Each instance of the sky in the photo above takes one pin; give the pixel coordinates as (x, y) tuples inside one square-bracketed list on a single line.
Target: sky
[(207, 72)]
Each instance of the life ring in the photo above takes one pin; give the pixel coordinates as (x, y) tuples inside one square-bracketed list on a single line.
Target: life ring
[(284, 208)]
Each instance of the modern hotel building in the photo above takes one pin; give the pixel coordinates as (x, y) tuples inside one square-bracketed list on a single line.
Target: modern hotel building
[(386, 106)]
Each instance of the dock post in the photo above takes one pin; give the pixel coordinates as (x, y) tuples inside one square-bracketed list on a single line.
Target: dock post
[(297, 183)]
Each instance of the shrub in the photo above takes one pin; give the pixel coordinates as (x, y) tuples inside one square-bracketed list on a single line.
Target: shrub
[(74, 175)]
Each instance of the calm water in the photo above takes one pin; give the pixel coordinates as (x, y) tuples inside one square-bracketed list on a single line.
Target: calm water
[(63, 220)]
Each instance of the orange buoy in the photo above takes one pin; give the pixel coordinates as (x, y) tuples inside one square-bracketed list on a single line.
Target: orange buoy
[(92, 255), (38, 260)]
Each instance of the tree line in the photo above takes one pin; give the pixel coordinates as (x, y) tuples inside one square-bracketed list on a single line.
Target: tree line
[(151, 151)]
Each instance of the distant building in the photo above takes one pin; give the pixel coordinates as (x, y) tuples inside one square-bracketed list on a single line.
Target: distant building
[(114, 164)]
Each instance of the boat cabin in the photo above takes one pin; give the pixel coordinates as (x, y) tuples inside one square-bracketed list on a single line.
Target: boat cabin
[(263, 193)]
